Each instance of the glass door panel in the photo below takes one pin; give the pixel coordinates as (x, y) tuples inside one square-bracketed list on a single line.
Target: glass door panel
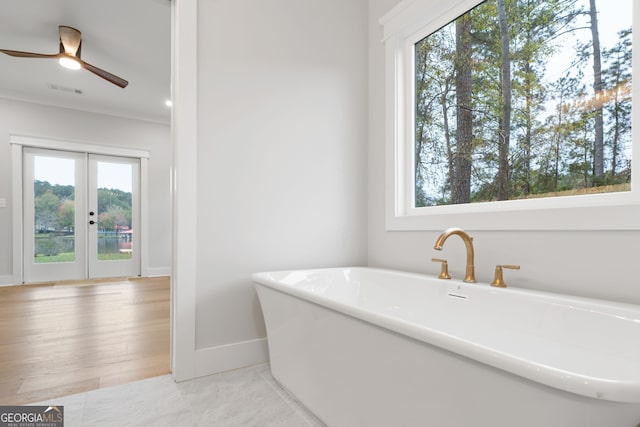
[(54, 244), (115, 184), (54, 209), (113, 208)]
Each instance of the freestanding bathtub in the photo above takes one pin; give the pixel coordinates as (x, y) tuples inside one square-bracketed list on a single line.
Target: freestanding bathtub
[(365, 347)]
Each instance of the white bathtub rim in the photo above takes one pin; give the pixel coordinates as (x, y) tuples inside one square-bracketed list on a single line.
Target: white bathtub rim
[(262, 277), (593, 387)]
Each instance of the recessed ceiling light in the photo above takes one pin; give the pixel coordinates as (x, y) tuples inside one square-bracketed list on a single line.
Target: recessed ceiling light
[(168, 103)]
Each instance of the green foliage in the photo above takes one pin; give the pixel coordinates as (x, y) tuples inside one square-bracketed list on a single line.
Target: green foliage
[(115, 217), (550, 149), (46, 211), (55, 207), (66, 215), (114, 257), (60, 257), (106, 221), (108, 198), (63, 192)]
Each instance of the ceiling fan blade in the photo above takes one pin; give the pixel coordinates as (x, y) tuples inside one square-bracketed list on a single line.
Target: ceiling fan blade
[(105, 75), (21, 54), (70, 39), (70, 44)]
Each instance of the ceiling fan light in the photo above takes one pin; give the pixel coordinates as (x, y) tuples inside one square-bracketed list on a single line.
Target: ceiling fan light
[(69, 63)]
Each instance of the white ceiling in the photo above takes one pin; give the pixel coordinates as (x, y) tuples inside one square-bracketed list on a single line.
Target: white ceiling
[(128, 38)]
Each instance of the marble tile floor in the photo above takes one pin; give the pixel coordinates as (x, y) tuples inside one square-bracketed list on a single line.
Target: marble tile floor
[(244, 397)]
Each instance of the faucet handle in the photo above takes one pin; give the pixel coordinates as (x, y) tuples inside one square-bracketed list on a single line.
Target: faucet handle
[(498, 281), (444, 269)]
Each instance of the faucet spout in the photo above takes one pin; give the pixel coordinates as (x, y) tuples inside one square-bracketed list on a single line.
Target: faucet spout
[(470, 275)]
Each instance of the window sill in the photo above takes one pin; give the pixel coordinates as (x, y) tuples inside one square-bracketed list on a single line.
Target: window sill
[(519, 217)]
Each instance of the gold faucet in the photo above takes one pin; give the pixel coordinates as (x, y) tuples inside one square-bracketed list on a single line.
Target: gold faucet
[(444, 268), (498, 280), (470, 275)]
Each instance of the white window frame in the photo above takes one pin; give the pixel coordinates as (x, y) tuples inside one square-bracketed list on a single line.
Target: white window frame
[(409, 22)]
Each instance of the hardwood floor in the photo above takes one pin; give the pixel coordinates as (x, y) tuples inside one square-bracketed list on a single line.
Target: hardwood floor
[(62, 338)]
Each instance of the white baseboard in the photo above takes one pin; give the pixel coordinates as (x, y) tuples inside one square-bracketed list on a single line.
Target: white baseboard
[(7, 281), (158, 271), (213, 360)]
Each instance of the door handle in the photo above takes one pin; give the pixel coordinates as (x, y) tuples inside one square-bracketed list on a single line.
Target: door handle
[(92, 222)]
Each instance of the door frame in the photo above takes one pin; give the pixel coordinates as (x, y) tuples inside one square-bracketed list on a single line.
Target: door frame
[(18, 142)]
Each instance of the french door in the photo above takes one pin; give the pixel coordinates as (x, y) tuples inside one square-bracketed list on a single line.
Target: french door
[(81, 215)]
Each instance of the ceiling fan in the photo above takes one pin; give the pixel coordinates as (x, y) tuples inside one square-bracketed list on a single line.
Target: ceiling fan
[(69, 56)]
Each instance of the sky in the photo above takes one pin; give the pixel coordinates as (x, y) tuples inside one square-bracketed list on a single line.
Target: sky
[(613, 15), (61, 171), (115, 175)]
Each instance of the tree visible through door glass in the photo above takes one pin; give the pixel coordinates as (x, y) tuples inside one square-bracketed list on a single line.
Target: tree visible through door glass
[(115, 235), (54, 209)]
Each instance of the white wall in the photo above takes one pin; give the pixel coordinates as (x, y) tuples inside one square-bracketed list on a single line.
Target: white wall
[(281, 150), (59, 123), (594, 264)]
